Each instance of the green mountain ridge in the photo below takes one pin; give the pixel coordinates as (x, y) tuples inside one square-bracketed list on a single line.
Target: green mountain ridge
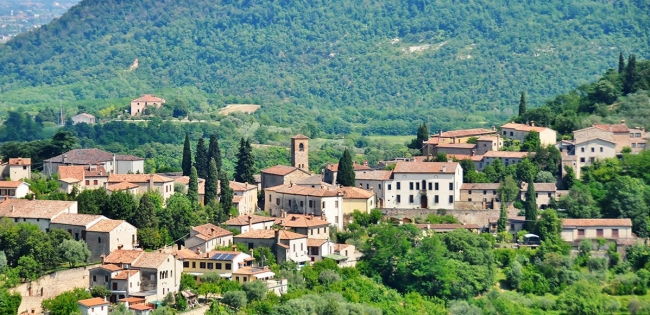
[(373, 67)]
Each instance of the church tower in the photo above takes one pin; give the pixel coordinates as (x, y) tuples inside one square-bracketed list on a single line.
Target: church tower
[(300, 152)]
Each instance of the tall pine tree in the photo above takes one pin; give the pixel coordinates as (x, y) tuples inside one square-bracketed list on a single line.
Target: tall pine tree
[(201, 160), (211, 183), (630, 75), (621, 63), (522, 104), (214, 152), (226, 194), (345, 175), (186, 165), (530, 205), (145, 214), (244, 169), (193, 189)]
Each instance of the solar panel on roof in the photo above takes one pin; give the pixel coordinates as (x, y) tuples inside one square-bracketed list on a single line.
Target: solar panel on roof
[(222, 256)]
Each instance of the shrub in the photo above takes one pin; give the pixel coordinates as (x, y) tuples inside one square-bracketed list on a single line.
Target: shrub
[(234, 299), (597, 264)]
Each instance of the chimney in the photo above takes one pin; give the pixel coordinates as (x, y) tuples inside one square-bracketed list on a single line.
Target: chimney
[(365, 162), (102, 258), (250, 223), (12, 207), (230, 216), (444, 168), (120, 246), (440, 134), (494, 128), (450, 160), (234, 248), (151, 182), (211, 231), (283, 214), (473, 153), (532, 123), (277, 236), (291, 184), (198, 250), (622, 121), (33, 196), (65, 158), (252, 252), (360, 185)]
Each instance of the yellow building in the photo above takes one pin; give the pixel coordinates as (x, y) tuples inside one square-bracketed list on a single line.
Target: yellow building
[(225, 263), (357, 199)]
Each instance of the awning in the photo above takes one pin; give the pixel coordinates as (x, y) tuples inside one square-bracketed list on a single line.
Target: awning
[(263, 275), (225, 275), (301, 259), (336, 257)]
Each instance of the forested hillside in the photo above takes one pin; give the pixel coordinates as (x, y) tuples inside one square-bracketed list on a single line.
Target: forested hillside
[(369, 66)]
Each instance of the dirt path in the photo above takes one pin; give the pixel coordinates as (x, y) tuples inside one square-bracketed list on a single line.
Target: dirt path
[(198, 311)]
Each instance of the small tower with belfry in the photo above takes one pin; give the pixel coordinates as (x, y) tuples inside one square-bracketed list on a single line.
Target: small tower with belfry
[(300, 152)]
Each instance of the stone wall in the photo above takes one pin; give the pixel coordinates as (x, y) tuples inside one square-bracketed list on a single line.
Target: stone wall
[(49, 286), (479, 217)]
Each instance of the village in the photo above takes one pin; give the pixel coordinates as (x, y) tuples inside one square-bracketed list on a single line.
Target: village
[(291, 211)]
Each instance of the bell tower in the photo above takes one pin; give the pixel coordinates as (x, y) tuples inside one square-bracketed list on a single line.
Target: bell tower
[(300, 152)]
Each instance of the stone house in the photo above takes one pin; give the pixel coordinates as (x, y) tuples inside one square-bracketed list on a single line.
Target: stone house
[(331, 171), (488, 143), (251, 222), (94, 306), (455, 149), (82, 176), (375, 181), (141, 103), (39, 212), (282, 175), (244, 197), (208, 236), (286, 245), (575, 230), (454, 136), (623, 136), (146, 182), (83, 118), (483, 194), (424, 185), (14, 189), (112, 163), (108, 235), (317, 248), (16, 169), (309, 225), (264, 274), (124, 187), (514, 131), (185, 181), (544, 193), (507, 158), (305, 200), (135, 273), (345, 255)]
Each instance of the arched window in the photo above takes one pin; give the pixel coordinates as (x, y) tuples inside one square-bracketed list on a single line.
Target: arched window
[(301, 147)]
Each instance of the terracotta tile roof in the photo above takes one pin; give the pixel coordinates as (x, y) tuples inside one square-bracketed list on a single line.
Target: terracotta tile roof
[(152, 260), (69, 180), (138, 178), (523, 127), (488, 138), (110, 267), (34, 209), (374, 175), (95, 171), (357, 167), (312, 180), (301, 220), (105, 225), (281, 170), (540, 187), (243, 220), (457, 145), (432, 140), (125, 274), (460, 157), (506, 154), (76, 172), (76, 219), (221, 255), (20, 161), (93, 302), (90, 156), (425, 167), (355, 193), (596, 222), (148, 98), (587, 139), (465, 133), (236, 199), (132, 300), (615, 128), (479, 186), (237, 186), (84, 115), (140, 307), (299, 136), (315, 242), (210, 231), (251, 270), (283, 245), (267, 234), (302, 191), (339, 247), (10, 184), (121, 186), (122, 256)]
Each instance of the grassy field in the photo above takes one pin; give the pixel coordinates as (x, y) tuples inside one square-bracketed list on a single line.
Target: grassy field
[(391, 140)]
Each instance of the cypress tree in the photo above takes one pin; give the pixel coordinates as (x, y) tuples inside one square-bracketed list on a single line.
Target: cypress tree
[(214, 152), (225, 197), (211, 183), (345, 175), (201, 159), (145, 214), (245, 164), (503, 217), (187, 157), (630, 76), (522, 104), (621, 63), (423, 135), (530, 206), (193, 189)]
